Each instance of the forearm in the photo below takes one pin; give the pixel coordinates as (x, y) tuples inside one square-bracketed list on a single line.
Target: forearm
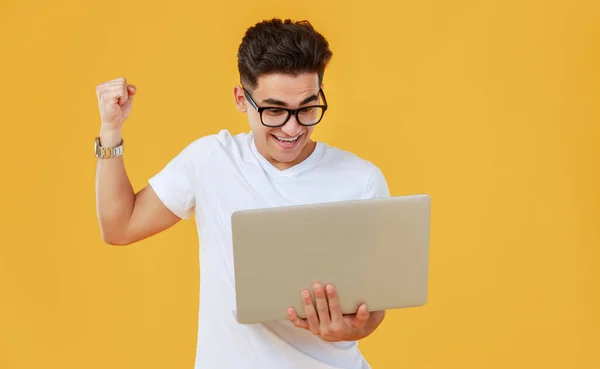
[(114, 193), (375, 319)]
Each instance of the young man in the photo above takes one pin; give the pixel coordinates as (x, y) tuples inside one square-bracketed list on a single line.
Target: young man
[(281, 65)]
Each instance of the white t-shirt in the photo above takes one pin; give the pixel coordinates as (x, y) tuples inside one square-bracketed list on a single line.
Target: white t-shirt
[(218, 174)]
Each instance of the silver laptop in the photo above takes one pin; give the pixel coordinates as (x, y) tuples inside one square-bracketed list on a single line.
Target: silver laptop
[(374, 251)]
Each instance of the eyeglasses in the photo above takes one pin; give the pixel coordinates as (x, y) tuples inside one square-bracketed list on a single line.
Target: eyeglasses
[(277, 116)]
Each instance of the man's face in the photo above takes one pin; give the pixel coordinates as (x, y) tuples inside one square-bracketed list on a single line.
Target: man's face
[(287, 145)]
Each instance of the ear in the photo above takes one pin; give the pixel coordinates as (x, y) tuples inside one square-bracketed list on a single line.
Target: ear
[(240, 99)]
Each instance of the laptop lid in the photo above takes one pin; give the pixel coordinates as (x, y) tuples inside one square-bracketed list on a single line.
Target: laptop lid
[(374, 251)]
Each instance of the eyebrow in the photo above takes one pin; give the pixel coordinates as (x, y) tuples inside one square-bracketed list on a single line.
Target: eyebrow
[(272, 101)]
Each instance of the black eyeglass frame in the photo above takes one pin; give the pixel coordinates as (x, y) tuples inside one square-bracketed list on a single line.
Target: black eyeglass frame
[(290, 112)]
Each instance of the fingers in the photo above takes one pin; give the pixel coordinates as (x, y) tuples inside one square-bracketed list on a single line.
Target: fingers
[(115, 98), (117, 84), (123, 94), (335, 309), (295, 319), (127, 92), (322, 305), (115, 91), (361, 317), (311, 314), (324, 317)]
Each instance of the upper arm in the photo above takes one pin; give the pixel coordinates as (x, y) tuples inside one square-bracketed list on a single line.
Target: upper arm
[(149, 216), (169, 197)]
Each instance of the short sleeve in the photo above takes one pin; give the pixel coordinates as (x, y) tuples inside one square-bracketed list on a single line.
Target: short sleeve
[(376, 185), (175, 185)]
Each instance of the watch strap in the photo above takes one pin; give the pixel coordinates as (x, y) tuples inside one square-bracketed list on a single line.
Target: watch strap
[(107, 152)]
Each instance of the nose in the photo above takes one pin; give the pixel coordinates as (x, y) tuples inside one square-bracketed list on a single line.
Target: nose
[(291, 127)]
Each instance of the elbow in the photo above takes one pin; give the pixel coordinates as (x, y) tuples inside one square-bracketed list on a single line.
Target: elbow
[(114, 239), (116, 242)]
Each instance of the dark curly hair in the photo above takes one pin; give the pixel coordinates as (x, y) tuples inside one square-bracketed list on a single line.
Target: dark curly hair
[(281, 46)]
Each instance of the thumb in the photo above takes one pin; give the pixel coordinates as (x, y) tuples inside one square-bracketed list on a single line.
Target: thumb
[(131, 90), (126, 106), (361, 317)]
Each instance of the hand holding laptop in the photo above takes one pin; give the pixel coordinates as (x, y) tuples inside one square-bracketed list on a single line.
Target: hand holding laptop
[(324, 316)]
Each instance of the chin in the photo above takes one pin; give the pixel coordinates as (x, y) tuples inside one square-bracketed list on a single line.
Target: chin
[(285, 156)]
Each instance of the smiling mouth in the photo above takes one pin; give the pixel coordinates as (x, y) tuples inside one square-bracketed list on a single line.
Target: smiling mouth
[(288, 139)]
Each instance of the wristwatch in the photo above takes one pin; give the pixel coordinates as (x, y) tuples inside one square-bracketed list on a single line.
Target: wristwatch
[(107, 152)]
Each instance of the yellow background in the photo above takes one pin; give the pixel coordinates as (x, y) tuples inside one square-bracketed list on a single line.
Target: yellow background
[(491, 107)]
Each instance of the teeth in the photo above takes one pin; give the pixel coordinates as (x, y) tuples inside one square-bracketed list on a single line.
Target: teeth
[(291, 139)]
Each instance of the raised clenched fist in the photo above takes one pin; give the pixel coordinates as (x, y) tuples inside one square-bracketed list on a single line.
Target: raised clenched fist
[(114, 100)]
